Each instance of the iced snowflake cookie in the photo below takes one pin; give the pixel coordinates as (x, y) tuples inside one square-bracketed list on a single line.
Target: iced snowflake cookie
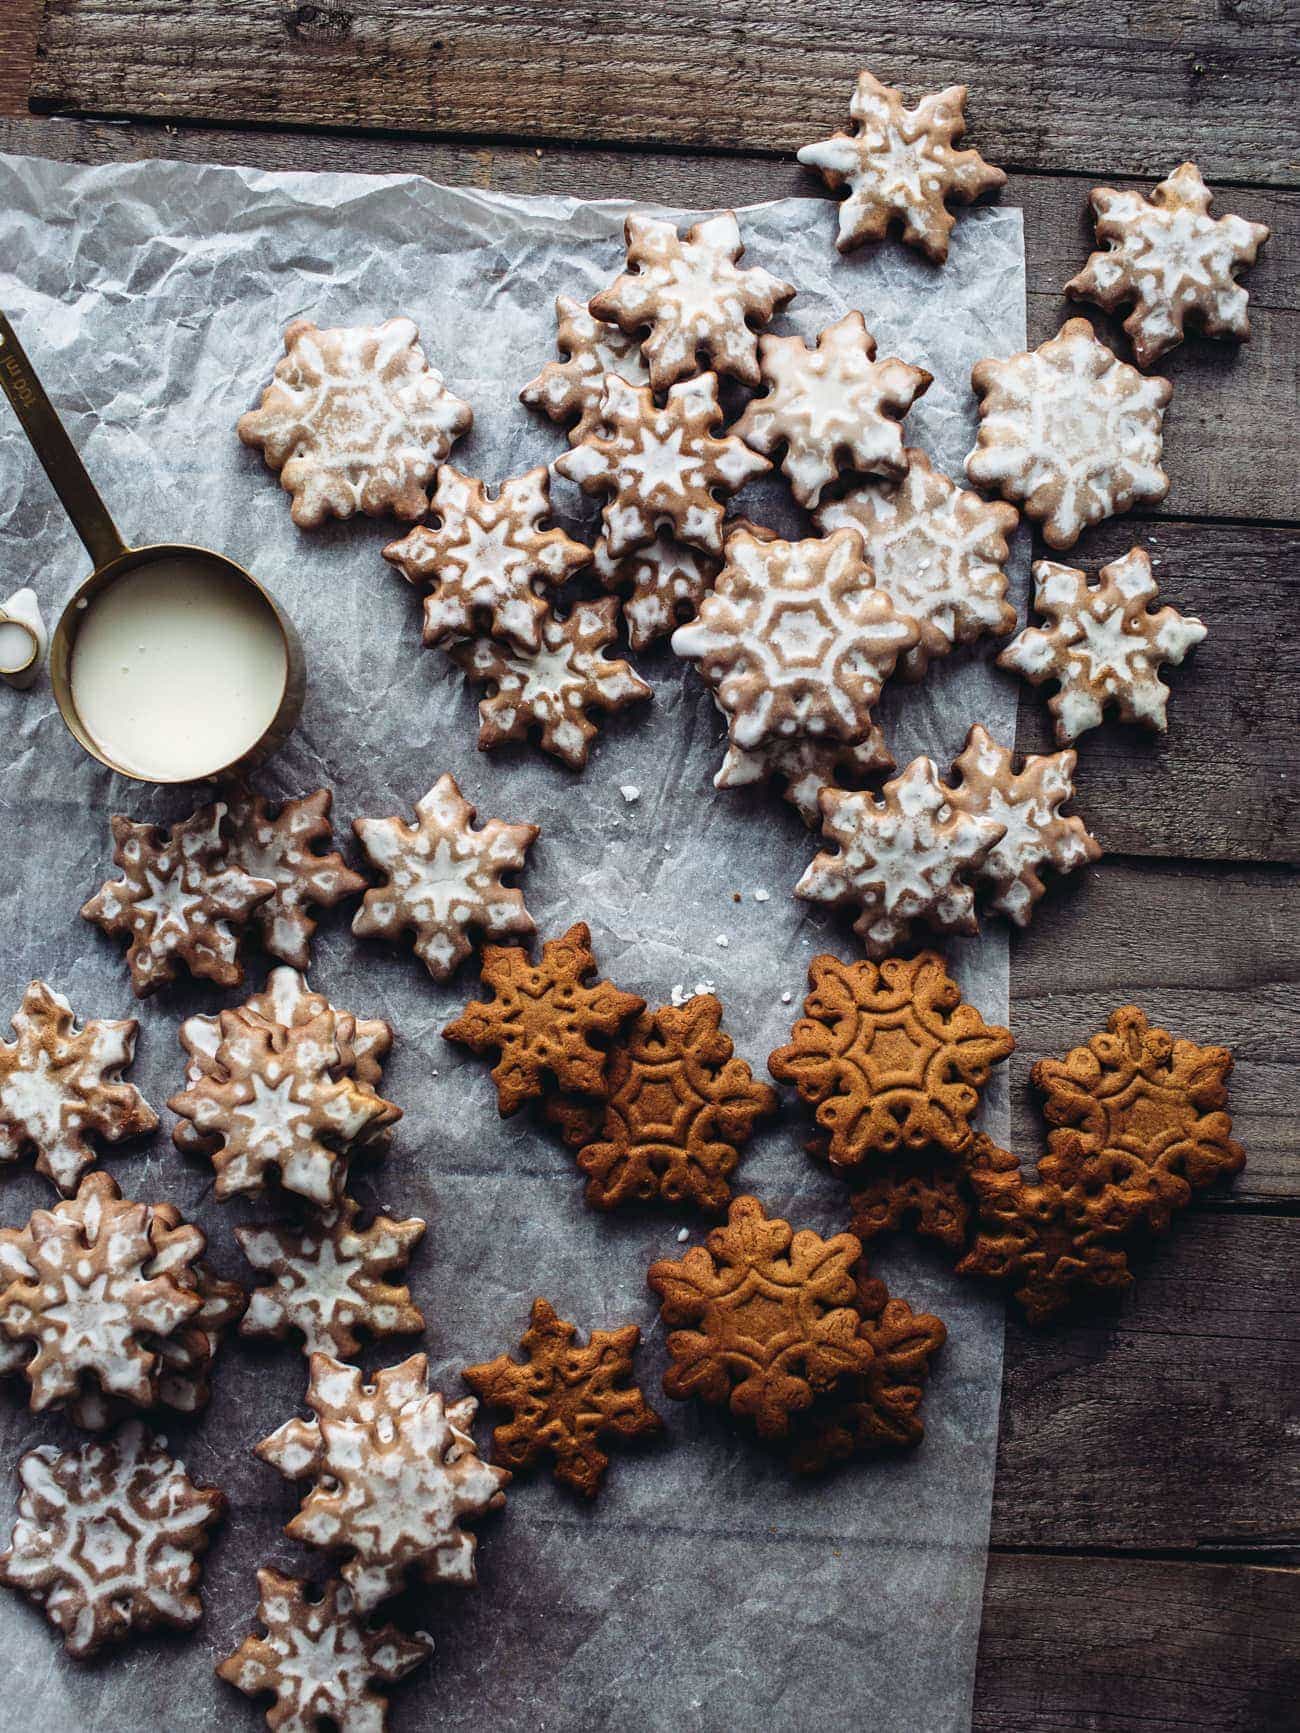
[(900, 166), (553, 692), (904, 856), (108, 1539), (689, 298), (938, 552), (488, 558), (805, 766), (830, 406), (445, 879), (61, 1085), (396, 1475), (1070, 430), (1101, 644), (1171, 261), (286, 849), (796, 639), (320, 1658), (662, 585), (570, 391), (179, 900), (355, 420), (661, 467)]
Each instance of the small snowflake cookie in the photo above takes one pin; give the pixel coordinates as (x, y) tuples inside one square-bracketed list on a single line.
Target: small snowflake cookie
[(661, 585), (1070, 430), (1169, 260), (286, 849), (900, 166), (805, 766), (570, 391), (355, 420), (689, 298), (1101, 645)]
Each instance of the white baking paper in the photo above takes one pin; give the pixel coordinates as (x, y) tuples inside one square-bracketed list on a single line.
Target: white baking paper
[(706, 1588)]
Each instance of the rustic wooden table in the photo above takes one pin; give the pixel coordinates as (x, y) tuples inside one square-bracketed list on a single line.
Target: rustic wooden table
[(1145, 1561)]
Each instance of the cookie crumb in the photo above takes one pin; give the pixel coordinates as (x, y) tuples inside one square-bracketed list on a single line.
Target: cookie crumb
[(722, 941), (786, 998), (683, 1234), (680, 993), (761, 896), (630, 792)]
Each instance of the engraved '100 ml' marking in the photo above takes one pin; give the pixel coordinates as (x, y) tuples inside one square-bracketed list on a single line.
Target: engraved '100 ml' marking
[(22, 385)]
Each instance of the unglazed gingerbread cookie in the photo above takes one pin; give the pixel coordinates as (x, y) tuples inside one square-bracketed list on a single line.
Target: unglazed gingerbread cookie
[(570, 391), (355, 420), (804, 766), (690, 299), (926, 1191), (661, 585), (661, 466), (488, 558), (938, 552), (1171, 261), (60, 1086), (286, 848), (831, 406), (445, 878), (179, 900), (900, 166), (552, 693), (1070, 430), (1102, 646)]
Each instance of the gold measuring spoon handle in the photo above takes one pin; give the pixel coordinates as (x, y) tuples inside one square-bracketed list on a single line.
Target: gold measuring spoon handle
[(58, 455)]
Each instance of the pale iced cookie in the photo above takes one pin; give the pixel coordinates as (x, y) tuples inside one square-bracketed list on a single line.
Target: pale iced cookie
[(570, 391), (287, 850), (489, 559), (320, 1659), (60, 1086), (661, 467), (445, 879), (661, 585), (179, 900), (553, 692), (1101, 645), (904, 856), (1071, 431), (397, 1475), (108, 1538), (1028, 802), (687, 297), (938, 551), (795, 639), (900, 166), (328, 1279), (355, 420), (1169, 260), (805, 766), (830, 406)]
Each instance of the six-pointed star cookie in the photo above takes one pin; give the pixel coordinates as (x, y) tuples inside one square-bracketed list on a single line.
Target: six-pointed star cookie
[(661, 585), (804, 766), (571, 390), (286, 850)]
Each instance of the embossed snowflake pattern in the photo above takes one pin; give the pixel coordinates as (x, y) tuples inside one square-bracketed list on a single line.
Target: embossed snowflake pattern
[(286, 849), (662, 585), (570, 391)]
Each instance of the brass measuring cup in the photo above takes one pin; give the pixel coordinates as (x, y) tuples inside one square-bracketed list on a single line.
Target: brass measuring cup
[(113, 559)]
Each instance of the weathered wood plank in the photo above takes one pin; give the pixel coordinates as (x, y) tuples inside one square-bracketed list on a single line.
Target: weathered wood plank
[(19, 24), (716, 74), (1113, 1645)]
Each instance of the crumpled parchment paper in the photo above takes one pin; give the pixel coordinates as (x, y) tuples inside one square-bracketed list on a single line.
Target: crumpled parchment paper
[(706, 1588)]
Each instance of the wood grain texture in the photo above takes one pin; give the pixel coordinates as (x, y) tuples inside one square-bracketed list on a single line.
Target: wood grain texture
[(19, 23), (703, 74)]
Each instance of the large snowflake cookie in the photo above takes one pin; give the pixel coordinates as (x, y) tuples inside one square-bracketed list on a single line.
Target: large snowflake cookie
[(938, 552), (796, 639), (804, 766), (1101, 645), (396, 1474), (570, 391), (830, 406), (661, 585), (488, 558), (286, 849), (1171, 261), (900, 165), (661, 465), (61, 1086), (1070, 430), (355, 420), (444, 878), (691, 299), (108, 1538)]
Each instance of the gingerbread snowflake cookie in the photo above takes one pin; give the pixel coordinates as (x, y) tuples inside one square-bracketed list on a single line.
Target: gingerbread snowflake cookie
[(1102, 645), (938, 551), (831, 406), (108, 1539), (900, 166), (286, 848), (661, 465), (396, 1476), (662, 585), (444, 878), (355, 420), (488, 558), (804, 766), (689, 298), (1171, 261), (1070, 430), (570, 391)]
